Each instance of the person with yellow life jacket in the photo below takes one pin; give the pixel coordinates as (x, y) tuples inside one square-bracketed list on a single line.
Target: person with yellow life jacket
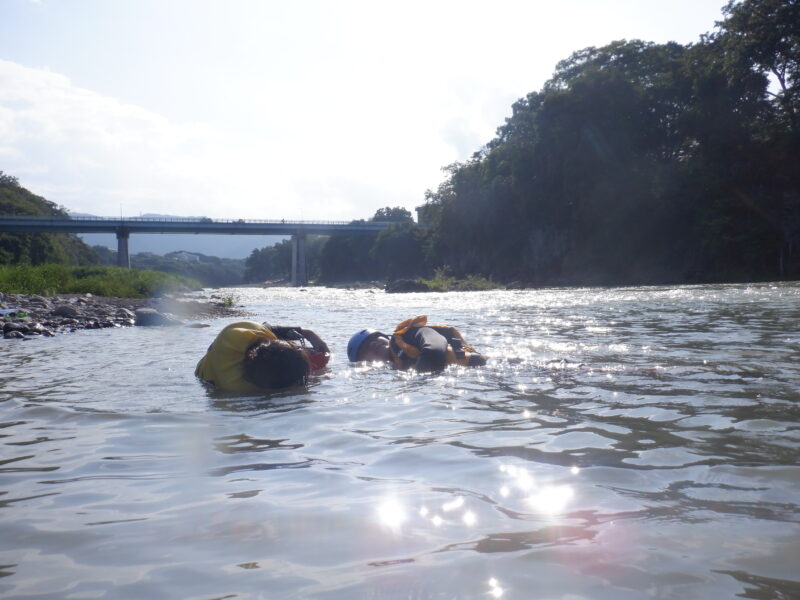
[(249, 358), (415, 344)]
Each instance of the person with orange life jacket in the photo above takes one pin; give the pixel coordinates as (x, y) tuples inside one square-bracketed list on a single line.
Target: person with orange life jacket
[(249, 358), (415, 344)]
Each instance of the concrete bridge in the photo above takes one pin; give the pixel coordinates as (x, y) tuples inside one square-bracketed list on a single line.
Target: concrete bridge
[(123, 227)]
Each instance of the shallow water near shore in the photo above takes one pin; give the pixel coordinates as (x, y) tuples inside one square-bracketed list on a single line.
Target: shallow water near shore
[(621, 443)]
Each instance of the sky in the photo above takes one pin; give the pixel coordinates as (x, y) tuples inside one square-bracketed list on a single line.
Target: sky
[(259, 109)]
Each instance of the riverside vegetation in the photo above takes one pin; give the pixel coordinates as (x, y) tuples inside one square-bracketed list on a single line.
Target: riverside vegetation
[(52, 279), (39, 259), (636, 163)]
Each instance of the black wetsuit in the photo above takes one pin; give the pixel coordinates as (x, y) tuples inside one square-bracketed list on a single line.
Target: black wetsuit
[(432, 346)]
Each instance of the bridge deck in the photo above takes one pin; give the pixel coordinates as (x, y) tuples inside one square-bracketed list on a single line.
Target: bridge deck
[(22, 223), (123, 227)]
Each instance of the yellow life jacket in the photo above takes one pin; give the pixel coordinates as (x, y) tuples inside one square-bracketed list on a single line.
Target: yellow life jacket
[(459, 351), (223, 363)]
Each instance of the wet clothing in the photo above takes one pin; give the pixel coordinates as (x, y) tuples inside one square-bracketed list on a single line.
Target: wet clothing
[(223, 363), (415, 344), (316, 358), (432, 348)]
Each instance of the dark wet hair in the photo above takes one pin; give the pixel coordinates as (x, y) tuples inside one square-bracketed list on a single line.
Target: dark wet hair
[(275, 364)]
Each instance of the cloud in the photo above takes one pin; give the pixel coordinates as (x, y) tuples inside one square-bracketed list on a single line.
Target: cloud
[(91, 152), (96, 154)]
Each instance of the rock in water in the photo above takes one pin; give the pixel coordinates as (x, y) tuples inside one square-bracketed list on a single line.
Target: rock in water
[(65, 310), (124, 313), (150, 317)]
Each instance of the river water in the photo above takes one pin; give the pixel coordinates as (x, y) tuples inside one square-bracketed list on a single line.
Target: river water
[(621, 443)]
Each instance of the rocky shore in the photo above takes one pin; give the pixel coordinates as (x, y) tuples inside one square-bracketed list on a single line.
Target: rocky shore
[(27, 316)]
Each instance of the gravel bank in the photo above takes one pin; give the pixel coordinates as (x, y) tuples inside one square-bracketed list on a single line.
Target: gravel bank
[(24, 316)]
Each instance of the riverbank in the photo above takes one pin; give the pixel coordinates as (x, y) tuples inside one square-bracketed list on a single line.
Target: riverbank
[(31, 315), (52, 279)]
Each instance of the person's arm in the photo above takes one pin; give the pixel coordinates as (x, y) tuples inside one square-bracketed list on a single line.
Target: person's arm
[(316, 342), (284, 332), (433, 349)]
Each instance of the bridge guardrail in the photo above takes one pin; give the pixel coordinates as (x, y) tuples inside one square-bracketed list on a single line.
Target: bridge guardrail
[(355, 222)]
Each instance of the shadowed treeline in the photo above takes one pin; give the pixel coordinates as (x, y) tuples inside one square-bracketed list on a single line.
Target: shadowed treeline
[(635, 163), (641, 163), (397, 251)]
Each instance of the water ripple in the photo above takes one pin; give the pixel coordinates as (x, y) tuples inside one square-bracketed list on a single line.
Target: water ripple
[(620, 443)]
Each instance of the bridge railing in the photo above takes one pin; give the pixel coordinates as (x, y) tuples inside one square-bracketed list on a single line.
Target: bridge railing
[(354, 222)]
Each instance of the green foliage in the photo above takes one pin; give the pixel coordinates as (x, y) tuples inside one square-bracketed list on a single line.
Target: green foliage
[(763, 36), (229, 300), (443, 281), (52, 279), (8, 180), (399, 251), (269, 263), (397, 214), (395, 252), (275, 262), (211, 271), (346, 257), (640, 163), (36, 248)]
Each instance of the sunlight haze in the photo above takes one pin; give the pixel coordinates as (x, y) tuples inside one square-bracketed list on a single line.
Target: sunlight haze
[(267, 110)]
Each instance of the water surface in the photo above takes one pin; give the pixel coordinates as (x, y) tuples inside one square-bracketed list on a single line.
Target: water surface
[(621, 443)]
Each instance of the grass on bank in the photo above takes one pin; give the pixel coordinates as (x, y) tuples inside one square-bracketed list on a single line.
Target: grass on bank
[(442, 281), (47, 280)]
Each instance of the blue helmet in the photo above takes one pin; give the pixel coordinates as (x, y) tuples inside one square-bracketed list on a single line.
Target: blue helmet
[(354, 345)]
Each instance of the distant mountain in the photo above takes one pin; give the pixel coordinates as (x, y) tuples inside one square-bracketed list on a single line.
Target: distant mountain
[(223, 246), (211, 271)]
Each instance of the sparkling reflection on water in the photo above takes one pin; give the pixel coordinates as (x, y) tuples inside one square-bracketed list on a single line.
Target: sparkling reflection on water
[(621, 443)]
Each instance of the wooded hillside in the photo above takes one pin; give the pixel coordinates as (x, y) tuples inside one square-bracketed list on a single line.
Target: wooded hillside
[(37, 248)]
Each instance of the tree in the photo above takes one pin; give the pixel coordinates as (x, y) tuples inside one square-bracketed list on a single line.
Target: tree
[(764, 35), (346, 257), (399, 251), (37, 248), (275, 262), (397, 214), (8, 180), (271, 262), (637, 162)]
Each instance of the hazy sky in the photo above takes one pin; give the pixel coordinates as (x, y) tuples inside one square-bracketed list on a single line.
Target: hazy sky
[(291, 109)]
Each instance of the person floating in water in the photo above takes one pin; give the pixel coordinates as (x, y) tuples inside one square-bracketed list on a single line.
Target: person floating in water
[(415, 344), (249, 358)]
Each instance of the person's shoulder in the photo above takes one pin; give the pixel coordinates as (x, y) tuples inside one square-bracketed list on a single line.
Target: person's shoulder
[(245, 330), (248, 325)]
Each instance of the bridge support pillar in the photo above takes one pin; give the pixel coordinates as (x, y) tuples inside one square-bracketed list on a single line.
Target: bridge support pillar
[(123, 257), (299, 272)]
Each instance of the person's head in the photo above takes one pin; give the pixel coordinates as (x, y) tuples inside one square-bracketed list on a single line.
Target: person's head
[(369, 345), (275, 364)]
